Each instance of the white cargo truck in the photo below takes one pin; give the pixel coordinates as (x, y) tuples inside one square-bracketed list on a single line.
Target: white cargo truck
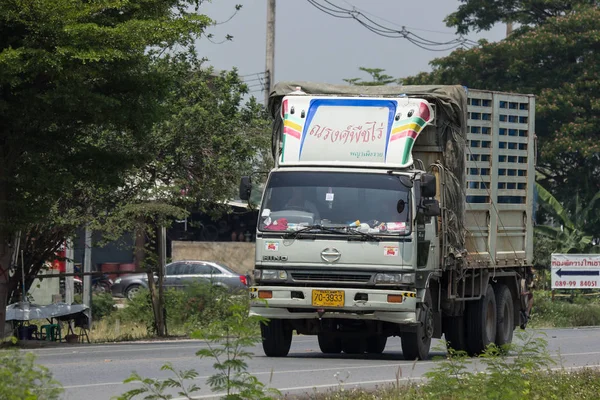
[(395, 211)]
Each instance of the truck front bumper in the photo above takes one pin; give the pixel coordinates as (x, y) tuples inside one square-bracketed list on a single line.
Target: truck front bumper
[(376, 307)]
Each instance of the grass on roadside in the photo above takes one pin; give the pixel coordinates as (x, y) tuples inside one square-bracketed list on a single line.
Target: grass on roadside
[(528, 373), (576, 385), (575, 311), (195, 307)]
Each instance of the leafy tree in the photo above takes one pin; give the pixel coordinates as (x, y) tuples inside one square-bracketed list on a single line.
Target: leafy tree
[(557, 62), (79, 93), (199, 153), (378, 77), (481, 15), (571, 236)]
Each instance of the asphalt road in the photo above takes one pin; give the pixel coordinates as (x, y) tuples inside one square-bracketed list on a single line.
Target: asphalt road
[(96, 372)]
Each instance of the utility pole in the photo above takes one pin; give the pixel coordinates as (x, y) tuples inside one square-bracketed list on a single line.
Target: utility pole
[(270, 54), (69, 269)]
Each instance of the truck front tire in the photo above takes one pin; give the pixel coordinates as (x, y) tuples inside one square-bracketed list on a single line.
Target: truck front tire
[(415, 345), (276, 338), (481, 322)]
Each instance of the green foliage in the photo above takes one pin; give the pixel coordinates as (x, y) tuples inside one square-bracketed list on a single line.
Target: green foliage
[(572, 235), (227, 339), (60, 91), (525, 374), (503, 377), (22, 379), (564, 312), (154, 389), (197, 305), (103, 305), (378, 78), (551, 59), (482, 15)]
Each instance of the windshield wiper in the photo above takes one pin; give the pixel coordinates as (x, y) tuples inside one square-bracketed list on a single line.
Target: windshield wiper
[(294, 234), (364, 235), (335, 229)]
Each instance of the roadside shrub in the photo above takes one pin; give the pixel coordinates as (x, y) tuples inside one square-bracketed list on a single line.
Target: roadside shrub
[(564, 313), (194, 307), (103, 305), (21, 378), (227, 340)]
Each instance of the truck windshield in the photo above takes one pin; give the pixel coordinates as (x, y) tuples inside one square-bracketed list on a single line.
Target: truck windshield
[(373, 203)]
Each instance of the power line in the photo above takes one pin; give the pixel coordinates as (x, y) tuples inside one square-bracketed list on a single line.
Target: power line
[(380, 29), (395, 23)]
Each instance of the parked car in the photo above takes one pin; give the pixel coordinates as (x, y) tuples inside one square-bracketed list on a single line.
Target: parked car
[(178, 274)]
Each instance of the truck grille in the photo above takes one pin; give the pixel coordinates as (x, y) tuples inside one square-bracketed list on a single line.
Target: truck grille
[(324, 277)]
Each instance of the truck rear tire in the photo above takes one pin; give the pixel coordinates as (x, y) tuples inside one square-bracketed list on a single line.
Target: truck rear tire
[(454, 333), (481, 322), (505, 314), (276, 338), (329, 344), (354, 345), (376, 344), (415, 345)]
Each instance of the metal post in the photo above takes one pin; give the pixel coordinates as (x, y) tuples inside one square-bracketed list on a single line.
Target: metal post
[(69, 282), (270, 53), (87, 267)]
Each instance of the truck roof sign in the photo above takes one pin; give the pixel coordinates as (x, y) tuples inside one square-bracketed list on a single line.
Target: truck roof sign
[(351, 130)]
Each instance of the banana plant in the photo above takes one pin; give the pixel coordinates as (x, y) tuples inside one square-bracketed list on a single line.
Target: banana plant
[(571, 236)]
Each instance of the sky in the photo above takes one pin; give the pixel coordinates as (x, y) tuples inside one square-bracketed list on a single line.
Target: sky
[(313, 46)]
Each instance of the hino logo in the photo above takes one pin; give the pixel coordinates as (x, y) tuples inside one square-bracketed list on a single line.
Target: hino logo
[(275, 258)]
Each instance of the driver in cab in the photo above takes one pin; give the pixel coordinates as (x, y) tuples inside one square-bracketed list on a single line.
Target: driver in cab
[(299, 202)]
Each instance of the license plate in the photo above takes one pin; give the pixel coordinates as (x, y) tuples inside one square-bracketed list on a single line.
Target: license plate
[(328, 298)]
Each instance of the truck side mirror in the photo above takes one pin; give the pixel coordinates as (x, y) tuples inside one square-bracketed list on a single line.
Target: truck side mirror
[(428, 185), (431, 208), (245, 188)]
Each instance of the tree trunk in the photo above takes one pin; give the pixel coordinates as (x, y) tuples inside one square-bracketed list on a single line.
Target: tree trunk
[(156, 308), (156, 296)]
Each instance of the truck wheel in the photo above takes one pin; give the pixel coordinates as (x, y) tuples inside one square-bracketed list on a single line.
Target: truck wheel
[(376, 344), (354, 345), (415, 345), (504, 315), (454, 333), (329, 344), (481, 322), (276, 338)]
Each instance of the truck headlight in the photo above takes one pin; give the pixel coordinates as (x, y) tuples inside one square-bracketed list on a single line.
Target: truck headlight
[(270, 275), (394, 279)]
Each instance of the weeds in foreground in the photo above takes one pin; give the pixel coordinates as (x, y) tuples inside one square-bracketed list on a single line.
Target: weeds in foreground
[(227, 341), (517, 371), (21, 378)]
